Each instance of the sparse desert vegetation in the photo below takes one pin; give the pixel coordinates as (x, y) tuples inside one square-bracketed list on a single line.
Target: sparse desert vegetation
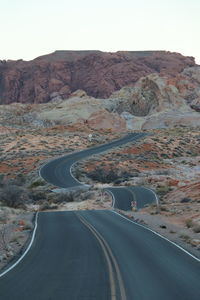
[(23, 150), (167, 161), (15, 228)]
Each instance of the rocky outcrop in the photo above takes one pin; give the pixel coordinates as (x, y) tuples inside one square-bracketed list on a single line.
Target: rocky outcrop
[(97, 73), (172, 119), (159, 102), (83, 110), (105, 120), (188, 86), (150, 94)]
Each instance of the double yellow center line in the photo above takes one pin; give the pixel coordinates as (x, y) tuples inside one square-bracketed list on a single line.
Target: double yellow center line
[(113, 267)]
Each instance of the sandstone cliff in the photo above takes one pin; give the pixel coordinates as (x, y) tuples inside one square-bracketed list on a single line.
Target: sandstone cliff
[(97, 73), (160, 101)]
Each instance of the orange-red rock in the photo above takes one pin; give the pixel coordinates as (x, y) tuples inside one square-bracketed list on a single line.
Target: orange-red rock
[(97, 73)]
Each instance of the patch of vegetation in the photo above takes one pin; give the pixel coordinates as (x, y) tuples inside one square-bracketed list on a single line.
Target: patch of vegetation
[(108, 176), (196, 228), (189, 223), (185, 237), (36, 183), (162, 190), (13, 196)]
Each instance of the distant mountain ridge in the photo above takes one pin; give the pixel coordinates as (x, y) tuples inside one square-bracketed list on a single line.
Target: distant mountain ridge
[(98, 73)]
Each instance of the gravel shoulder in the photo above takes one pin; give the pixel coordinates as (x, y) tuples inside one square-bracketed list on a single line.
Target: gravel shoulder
[(16, 228), (176, 233)]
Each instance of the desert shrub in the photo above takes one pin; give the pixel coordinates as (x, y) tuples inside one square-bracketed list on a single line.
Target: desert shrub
[(4, 215), (37, 183), (102, 175), (65, 197), (184, 236), (28, 225), (164, 155), (45, 205), (108, 176), (86, 195), (77, 173), (196, 228), (36, 196), (1, 180), (163, 208), (19, 180), (185, 200), (163, 190), (15, 237), (189, 223), (13, 196)]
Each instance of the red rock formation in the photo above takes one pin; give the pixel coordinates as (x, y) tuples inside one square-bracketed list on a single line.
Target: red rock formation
[(98, 73)]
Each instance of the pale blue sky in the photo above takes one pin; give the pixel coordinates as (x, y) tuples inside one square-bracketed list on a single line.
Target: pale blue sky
[(30, 28)]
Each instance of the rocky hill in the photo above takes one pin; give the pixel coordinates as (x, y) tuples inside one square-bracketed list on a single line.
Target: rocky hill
[(98, 73)]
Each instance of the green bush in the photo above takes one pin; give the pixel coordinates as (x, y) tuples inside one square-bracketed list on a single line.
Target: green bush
[(189, 223), (37, 183), (103, 176), (163, 190)]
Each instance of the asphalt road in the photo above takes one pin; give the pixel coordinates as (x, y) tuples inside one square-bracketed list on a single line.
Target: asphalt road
[(57, 171), (98, 255), (124, 196)]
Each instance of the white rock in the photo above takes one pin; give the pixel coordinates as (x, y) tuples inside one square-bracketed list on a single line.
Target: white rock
[(195, 242)]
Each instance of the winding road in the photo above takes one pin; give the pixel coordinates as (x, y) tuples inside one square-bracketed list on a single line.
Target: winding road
[(58, 172), (99, 255)]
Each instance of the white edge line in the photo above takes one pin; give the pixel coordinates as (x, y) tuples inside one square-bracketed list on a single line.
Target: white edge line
[(74, 152), (156, 196), (126, 187), (156, 233), (23, 255), (78, 151), (36, 218), (70, 170), (126, 218), (113, 198), (96, 154), (47, 161)]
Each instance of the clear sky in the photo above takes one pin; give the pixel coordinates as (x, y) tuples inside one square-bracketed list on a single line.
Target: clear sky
[(30, 28)]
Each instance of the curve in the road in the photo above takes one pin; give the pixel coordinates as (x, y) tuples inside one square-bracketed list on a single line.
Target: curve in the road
[(100, 255), (123, 197), (58, 172)]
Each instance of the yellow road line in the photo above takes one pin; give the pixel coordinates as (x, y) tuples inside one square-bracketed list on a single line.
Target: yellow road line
[(110, 259)]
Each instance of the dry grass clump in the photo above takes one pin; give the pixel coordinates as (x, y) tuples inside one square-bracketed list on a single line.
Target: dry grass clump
[(13, 192), (196, 228), (195, 225)]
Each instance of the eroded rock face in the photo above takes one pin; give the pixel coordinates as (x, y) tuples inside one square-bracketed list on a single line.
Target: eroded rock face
[(97, 73), (188, 86), (160, 101), (150, 94), (105, 120)]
